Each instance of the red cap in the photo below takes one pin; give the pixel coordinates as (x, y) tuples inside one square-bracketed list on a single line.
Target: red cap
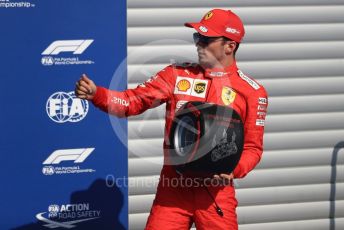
[(217, 23)]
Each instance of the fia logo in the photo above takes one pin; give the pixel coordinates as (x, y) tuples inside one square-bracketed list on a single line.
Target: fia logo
[(47, 60), (64, 107)]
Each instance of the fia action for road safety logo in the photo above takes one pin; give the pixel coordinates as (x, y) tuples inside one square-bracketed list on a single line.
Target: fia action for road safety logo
[(228, 95)]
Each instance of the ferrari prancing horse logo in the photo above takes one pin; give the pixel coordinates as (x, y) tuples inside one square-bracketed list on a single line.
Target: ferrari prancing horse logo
[(208, 15), (228, 95)]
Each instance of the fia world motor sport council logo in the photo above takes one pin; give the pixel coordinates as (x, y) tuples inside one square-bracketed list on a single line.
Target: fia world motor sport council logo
[(67, 215)]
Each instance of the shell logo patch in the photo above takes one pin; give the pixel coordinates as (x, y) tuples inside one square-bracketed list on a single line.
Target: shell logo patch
[(228, 95), (183, 85), (208, 15), (199, 87)]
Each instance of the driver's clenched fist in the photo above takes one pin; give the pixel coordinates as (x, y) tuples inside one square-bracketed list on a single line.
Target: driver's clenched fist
[(85, 88)]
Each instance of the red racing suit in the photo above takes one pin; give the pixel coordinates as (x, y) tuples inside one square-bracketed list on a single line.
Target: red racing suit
[(177, 207)]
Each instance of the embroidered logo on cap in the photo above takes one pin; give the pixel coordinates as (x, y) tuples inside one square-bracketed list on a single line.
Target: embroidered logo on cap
[(232, 30), (203, 29), (208, 15)]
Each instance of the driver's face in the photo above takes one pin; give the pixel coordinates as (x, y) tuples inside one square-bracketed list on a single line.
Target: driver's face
[(210, 51)]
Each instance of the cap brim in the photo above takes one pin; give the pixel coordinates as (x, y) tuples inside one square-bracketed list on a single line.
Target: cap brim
[(197, 25)]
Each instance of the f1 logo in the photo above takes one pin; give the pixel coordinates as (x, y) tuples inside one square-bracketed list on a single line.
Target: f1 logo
[(76, 155), (75, 46)]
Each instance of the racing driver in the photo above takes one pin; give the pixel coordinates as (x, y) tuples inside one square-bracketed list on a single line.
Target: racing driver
[(215, 79)]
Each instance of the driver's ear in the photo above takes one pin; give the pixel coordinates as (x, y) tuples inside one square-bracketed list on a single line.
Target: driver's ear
[(230, 47)]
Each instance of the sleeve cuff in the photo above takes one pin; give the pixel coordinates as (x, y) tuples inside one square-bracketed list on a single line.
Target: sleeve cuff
[(101, 94)]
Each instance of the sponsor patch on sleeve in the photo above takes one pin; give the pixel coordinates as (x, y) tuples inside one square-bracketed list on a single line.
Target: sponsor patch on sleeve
[(261, 115), (261, 111), (261, 108), (260, 122), (143, 85), (248, 80), (121, 101), (262, 100)]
